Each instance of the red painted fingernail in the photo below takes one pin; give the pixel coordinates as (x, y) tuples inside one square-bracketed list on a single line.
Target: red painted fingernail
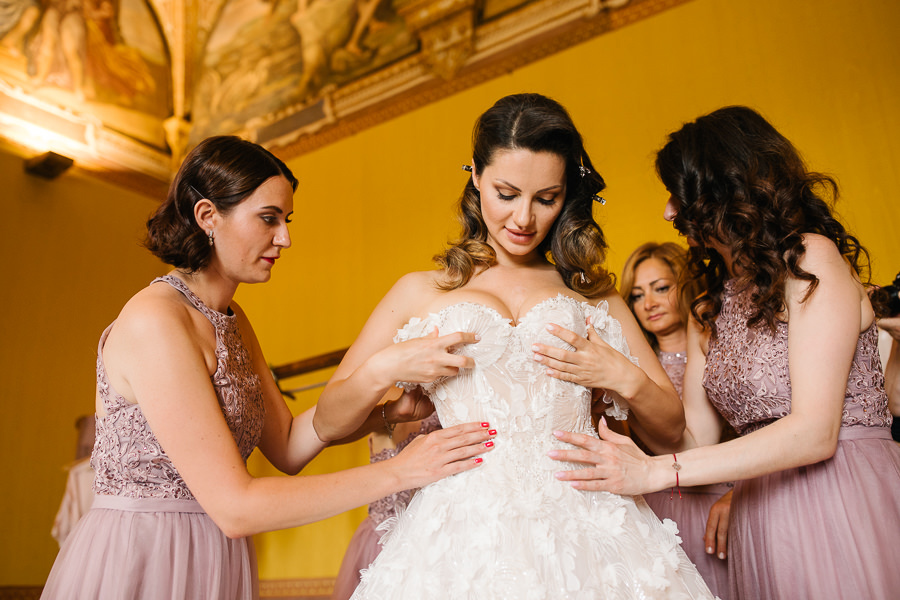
[(485, 424), (492, 432), (488, 444), (479, 460)]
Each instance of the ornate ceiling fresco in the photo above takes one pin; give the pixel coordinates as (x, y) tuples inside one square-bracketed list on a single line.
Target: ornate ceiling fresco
[(125, 87)]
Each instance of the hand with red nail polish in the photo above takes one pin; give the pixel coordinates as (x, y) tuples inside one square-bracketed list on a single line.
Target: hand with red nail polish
[(436, 455)]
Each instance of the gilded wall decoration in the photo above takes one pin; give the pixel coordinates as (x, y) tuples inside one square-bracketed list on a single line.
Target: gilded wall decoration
[(126, 87)]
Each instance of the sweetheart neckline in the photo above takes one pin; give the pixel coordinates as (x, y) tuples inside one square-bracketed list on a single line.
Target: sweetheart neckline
[(507, 321)]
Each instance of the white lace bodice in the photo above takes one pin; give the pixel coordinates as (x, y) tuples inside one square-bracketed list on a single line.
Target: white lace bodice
[(507, 387), (509, 529)]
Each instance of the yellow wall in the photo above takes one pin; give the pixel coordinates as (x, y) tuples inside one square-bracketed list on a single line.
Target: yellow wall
[(71, 259), (379, 204)]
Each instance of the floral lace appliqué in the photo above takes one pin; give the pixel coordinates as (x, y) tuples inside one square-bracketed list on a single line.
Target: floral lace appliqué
[(747, 376), (129, 461)]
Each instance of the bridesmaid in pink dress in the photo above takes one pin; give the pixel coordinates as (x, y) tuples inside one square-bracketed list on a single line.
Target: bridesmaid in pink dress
[(650, 287), (184, 395), (791, 363)]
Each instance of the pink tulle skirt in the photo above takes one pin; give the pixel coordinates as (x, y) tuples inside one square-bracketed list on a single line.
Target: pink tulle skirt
[(364, 546), (690, 512), (828, 530), (151, 549)]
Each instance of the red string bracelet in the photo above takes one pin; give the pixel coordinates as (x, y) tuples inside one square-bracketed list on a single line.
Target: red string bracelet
[(677, 466)]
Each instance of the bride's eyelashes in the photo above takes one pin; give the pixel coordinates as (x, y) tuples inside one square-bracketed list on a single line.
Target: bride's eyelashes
[(547, 201), (544, 201)]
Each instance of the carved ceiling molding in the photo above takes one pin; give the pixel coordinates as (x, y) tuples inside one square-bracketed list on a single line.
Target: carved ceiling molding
[(209, 77), (536, 31)]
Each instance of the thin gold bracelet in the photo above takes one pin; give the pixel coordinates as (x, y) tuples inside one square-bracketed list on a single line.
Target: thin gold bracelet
[(677, 466)]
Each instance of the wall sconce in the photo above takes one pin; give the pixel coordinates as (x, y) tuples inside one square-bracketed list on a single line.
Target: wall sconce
[(48, 165)]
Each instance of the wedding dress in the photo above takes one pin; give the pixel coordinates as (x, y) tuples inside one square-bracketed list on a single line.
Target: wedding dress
[(509, 529)]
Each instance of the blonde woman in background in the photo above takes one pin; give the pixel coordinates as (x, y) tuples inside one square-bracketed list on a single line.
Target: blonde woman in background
[(650, 286)]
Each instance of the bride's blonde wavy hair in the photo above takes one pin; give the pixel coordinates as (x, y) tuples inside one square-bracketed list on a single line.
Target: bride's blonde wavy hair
[(575, 243)]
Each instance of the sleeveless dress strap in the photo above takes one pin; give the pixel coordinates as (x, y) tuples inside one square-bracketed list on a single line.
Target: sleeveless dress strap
[(214, 316)]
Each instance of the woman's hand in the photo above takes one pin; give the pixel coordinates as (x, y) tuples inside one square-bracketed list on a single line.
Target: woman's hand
[(616, 464), (410, 406), (891, 325), (716, 537), (593, 363), (422, 360), (438, 454)]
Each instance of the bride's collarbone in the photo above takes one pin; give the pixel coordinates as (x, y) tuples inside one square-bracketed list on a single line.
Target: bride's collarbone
[(512, 304)]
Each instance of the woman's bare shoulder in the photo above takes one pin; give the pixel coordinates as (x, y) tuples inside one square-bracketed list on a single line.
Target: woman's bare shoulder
[(421, 280), (416, 288), (819, 248), (612, 298), (823, 259), (154, 308)]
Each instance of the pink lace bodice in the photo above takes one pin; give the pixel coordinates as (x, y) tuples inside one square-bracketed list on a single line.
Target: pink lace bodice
[(747, 377), (674, 364), (127, 458)]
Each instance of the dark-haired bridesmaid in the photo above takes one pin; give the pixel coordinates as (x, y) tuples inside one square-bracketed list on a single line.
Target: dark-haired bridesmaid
[(792, 364), (184, 395)]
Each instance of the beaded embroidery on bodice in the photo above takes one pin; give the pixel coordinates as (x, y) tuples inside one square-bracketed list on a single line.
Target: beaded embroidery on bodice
[(507, 387), (127, 458), (748, 380)]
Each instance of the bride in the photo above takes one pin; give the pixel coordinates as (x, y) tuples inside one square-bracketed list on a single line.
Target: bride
[(478, 337)]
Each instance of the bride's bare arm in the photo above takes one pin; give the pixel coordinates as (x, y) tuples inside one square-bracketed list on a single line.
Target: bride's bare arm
[(658, 416), (374, 363)]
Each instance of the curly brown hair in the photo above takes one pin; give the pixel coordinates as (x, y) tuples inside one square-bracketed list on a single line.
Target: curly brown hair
[(223, 169), (739, 182), (575, 244)]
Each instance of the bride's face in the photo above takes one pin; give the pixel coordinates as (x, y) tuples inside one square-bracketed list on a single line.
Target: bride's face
[(522, 193)]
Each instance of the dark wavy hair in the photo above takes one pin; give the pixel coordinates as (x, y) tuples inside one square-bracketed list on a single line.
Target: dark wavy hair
[(575, 243), (223, 169), (739, 182), (676, 258)]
